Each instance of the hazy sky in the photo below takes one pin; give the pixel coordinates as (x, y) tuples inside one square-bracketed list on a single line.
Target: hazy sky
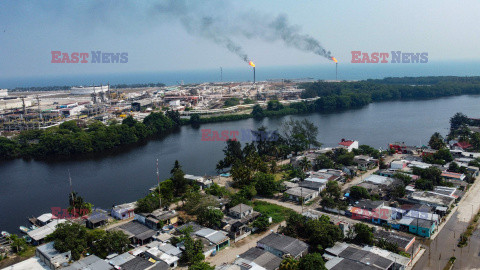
[(156, 39)]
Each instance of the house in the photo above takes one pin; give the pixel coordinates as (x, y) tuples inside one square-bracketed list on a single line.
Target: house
[(421, 227), (326, 175), (316, 186), (124, 211), (215, 240), (51, 257), (462, 145), (237, 223), (262, 258), (403, 241), (156, 254), (96, 219), (354, 256), (349, 256), (453, 176), (91, 262), (118, 260), (281, 245), (287, 184), (300, 194), (379, 180), (139, 263), (348, 144), (136, 232), (32, 263), (430, 198), (365, 162), (44, 219), (386, 173), (402, 148), (240, 211), (39, 234), (158, 218), (398, 164), (201, 181)]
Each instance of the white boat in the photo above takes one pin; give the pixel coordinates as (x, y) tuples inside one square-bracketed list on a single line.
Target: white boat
[(5, 234), (24, 229)]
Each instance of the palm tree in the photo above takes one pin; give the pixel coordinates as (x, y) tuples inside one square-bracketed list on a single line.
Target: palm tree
[(305, 164), (289, 263)]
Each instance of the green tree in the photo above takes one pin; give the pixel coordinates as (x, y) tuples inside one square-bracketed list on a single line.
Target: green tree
[(70, 236), (167, 191), (174, 116), (358, 192), (248, 101), (322, 161), (436, 141), (178, 178), (210, 217), (265, 184), (17, 243), (305, 164), (261, 223), (195, 119), (289, 263), (322, 234), (193, 252), (398, 191), (129, 121), (274, 105), (229, 102), (201, 266), (363, 234), (457, 121), (109, 242), (331, 195), (257, 111), (312, 261)]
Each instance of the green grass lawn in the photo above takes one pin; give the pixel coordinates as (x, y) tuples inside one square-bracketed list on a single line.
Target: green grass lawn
[(277, 212)]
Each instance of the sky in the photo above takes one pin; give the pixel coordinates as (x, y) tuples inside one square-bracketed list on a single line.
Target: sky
[(172, 35)]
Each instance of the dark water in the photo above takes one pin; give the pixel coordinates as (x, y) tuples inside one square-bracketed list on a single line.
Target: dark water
[(32, 187)]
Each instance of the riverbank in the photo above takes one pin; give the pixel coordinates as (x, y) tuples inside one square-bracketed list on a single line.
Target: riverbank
[(33, 187)]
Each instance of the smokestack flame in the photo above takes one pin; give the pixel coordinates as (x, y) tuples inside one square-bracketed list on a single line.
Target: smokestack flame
[(334, 60), (251, 64)]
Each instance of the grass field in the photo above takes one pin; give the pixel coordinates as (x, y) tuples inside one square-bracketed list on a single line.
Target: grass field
[(277, 212)]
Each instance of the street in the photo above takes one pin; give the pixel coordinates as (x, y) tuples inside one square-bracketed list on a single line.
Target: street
[(444, 246)]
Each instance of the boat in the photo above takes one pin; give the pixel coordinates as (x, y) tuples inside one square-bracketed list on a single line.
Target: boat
[(5, 234), (27, 238), (24, 229), (33, 227)]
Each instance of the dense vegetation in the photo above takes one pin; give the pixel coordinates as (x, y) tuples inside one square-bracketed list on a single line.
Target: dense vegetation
[(76, 238), (77, 137), (345, 95)]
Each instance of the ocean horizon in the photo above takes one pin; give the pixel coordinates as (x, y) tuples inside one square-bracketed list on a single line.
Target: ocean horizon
[(346, 71)]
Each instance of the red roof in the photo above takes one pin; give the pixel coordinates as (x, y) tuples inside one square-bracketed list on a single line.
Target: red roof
[(346, 143), (463, 145)]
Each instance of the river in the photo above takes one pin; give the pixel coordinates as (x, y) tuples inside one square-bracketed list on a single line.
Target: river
[(32, 187)]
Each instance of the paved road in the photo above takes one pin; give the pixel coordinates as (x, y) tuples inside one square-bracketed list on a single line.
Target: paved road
[(444, 246)]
